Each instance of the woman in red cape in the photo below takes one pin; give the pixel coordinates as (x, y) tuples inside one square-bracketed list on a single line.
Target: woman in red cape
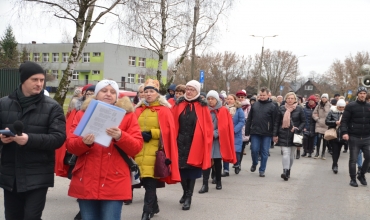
[(156, 124), (193, 125), (223, 139)]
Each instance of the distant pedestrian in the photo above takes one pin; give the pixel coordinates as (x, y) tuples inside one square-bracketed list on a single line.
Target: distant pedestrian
[(309, 129), (171, 91), (319, 115), (260, 128)]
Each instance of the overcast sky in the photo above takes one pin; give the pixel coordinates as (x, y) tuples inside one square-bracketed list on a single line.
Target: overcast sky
[(324, 30)]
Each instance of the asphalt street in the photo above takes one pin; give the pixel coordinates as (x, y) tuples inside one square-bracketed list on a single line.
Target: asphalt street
[(312, 192)]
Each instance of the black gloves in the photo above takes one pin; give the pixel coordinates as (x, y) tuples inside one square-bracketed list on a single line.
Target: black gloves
[(147, 135), (167, 161)]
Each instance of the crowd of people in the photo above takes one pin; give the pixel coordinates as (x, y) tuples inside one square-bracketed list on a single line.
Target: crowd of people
[(199, 133)]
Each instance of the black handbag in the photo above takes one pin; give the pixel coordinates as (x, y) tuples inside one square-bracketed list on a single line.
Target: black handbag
[(69, 159), (134, 168)]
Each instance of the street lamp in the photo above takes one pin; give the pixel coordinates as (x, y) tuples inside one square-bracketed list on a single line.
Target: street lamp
[(260, 67), (296, 72)]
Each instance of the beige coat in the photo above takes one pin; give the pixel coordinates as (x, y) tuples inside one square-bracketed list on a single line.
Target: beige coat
[(319, 115)]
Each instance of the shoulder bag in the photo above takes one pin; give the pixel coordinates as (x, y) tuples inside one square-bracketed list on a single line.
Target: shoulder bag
[(331, 133), (134, 168), (161, 169)]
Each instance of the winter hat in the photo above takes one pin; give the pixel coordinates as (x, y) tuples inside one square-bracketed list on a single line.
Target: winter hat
[(241, 93), (361, 89), (91, 88), (86, 87), (105, 83), (325, 95), (341, 103), (214, 94), (244, 91), (28, 69), (151, 84), (312, 97), (172, 87), (334, 102), (203, 94), (195, 84), (223, 93)]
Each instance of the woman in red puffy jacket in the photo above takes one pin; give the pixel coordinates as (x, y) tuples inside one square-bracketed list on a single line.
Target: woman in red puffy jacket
[(101, 178)]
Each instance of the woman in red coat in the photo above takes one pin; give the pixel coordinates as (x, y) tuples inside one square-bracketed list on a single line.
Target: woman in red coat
[(223, 139), (101, 178), (193, 125)]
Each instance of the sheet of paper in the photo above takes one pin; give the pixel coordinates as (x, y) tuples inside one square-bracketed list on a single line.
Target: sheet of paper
[(103, 117)]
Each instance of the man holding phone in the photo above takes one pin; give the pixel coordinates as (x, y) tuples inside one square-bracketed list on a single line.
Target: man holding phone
[(28, 158)]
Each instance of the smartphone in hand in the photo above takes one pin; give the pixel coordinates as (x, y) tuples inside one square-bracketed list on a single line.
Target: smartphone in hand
[(7, 133)]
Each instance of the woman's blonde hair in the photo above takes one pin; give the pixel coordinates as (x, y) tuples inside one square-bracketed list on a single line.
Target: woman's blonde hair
[(237, 103), (291, 93)]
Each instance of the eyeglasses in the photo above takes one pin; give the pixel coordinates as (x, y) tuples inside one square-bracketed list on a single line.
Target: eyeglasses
[(190, 89)]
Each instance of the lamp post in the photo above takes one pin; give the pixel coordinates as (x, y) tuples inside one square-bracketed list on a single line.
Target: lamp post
[(296, 72), (260, 67)]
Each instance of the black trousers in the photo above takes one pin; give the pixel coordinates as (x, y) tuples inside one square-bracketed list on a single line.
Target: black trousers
[(308, 143), (216, 170), (336, 147), (318, 144), (150, 198), (24, 205), (355, 145)]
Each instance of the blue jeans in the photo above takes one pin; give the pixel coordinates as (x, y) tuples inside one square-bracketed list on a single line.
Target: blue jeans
[(359, 159), (260, 143), (227, 165), (100, 209)]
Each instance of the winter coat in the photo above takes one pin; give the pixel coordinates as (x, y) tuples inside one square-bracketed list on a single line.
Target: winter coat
[(156, 117), (356, 119), (197, 150), (310, 122), (31, 166), (246, 112), (285, 136), (100, 172), (319, 115), (222, 145), (334, 116), (239, 122), (261, 118)]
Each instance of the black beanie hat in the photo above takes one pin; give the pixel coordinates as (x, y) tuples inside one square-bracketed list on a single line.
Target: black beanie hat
[(28, 69), (361, 89)]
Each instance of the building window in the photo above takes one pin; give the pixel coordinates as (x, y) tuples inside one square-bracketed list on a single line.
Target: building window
[(131, 78), (131, 61), (142, 62), (96, 72), (65, 57), (36, 57), (86, 58), (75, 75), (55, 57), (28, 57), (45, 57), (308, 87), (96, 54), (140, 78), (55, 73)]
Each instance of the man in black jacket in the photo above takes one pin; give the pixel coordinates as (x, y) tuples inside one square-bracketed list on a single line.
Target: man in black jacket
[(259, 126), (28, 158), (355, 127)]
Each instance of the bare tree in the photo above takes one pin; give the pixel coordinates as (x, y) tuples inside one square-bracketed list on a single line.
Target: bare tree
[(66, 37), (167, 25), (85, 14)]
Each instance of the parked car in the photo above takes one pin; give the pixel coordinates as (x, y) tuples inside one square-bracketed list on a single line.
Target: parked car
[(129, 94)]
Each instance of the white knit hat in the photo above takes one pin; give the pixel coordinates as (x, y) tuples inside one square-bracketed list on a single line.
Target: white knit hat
[(105, 83), (325, 95), (341, 103), (195, 84), (214, 94)]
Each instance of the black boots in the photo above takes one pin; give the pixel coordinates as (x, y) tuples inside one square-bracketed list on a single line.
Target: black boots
[(298, 155), (317, 152), (361, 178), (284, 175), (189, 194), (218, 185), (304, 154), (288, 173), (353, 182), (335, 169), (145, 216), (185, 190), (204, 188)]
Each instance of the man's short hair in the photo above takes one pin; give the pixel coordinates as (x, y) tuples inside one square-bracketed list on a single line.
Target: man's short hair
[(265, 89)]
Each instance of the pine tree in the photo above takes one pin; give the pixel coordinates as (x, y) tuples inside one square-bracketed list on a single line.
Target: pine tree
[(9, 53)]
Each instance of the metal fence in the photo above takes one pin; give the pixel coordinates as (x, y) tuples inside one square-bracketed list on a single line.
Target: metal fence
[(9, 80)]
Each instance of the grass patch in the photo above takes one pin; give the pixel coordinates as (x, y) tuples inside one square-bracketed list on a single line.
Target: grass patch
[(66, 101)]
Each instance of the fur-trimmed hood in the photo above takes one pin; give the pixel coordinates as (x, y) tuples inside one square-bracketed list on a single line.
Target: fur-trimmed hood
[(162, 101), (199, 99), (124, 103)]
